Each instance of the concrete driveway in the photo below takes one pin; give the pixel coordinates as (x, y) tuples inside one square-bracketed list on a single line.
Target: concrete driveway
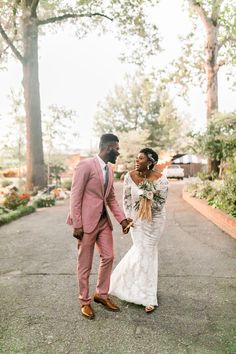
[(197, 282)]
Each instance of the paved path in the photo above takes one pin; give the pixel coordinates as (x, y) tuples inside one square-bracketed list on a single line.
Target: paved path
[(39, 309)]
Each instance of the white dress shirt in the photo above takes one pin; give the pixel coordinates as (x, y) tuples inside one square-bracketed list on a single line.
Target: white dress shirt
[(103, 165)]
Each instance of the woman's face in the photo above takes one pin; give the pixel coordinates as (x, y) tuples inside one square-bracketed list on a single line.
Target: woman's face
[(141, 162)]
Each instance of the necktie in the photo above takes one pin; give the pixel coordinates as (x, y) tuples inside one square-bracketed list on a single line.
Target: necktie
[(106, 177)]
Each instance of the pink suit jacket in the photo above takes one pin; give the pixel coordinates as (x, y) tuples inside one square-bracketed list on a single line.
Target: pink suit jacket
[(88, 198)]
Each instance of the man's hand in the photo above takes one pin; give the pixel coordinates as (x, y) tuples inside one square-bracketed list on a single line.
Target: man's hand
[(78, 233), (126, 224)]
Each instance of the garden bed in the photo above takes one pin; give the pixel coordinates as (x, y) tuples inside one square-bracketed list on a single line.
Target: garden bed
[(16, 214), (225, 222)]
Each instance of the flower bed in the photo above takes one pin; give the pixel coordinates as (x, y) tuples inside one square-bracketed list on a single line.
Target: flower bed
[(44, 201), (14, 204), (220, 194), (209, 197), (14, 200), (7, 216)]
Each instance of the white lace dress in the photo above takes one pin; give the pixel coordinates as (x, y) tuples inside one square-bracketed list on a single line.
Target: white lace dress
[(135, 278)]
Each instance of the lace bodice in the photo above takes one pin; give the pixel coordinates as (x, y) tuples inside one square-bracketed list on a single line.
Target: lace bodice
[(131, 194)]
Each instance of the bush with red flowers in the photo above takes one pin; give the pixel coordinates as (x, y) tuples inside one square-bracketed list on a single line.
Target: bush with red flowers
[(13, 200)]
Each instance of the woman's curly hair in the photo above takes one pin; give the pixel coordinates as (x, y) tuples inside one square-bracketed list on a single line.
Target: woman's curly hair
[(151, 155)]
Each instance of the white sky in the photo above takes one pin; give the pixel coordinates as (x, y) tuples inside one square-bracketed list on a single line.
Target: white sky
[(78, 74)]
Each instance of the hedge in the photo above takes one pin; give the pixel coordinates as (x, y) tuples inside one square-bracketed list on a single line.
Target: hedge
[(16, 214)]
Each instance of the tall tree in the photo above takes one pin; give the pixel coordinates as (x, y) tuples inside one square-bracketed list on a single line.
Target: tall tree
[(131, 106), (20, 21), (139, 105), (209, 46), (169, 131), (219, 20)]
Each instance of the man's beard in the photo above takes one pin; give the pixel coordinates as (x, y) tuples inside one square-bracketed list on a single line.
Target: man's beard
[(112, 156)]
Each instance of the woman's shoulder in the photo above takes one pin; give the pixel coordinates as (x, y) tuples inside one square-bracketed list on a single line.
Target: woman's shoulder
[(130, 177), (127, 176), (156, 175), (160, 177)]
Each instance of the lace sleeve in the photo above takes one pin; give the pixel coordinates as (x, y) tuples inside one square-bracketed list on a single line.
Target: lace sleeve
[(127, 200), (162, 189)]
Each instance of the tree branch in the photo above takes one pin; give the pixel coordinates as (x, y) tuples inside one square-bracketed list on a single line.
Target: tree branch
[(225, 40), (216, 10), (217, 66), (15, 9), (66, 16), (11, 45), (200, 11), (3, 51), (34, 6)]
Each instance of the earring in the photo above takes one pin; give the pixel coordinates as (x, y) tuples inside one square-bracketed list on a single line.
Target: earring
[(148, 167)]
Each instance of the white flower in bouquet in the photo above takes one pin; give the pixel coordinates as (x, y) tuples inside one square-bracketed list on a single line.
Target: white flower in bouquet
[(148, 195)]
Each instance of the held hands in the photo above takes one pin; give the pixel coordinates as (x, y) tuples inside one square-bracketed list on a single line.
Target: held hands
[(126, 224), (78, 233)]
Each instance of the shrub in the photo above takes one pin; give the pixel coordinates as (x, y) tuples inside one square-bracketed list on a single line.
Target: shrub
[(202, 190), (205, 191), (5, 218), (13, 200), (44, 201), (204, 176), (3, 210), (219, 194), (225, 199), (6, 183)]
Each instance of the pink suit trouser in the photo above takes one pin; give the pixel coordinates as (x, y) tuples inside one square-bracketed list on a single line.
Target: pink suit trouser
[(102, 237)]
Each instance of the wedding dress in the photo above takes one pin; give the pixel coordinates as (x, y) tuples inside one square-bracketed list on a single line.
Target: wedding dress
[(135, 278)]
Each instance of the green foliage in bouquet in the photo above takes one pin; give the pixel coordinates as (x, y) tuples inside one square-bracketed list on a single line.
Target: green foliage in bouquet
[(147, 190)]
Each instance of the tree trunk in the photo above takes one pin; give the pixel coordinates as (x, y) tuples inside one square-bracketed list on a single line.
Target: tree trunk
[(36, 176), (211, 69)]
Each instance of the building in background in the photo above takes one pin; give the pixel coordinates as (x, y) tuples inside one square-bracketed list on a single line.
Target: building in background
[(192, 164)]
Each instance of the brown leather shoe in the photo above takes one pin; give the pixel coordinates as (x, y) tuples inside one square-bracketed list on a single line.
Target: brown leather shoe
[(107, 303), (87, 311)]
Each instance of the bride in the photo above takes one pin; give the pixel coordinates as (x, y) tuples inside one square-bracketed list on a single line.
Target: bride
[(144, 195)]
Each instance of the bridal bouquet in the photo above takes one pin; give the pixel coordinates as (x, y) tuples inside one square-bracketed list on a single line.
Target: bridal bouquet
[(148, 197)]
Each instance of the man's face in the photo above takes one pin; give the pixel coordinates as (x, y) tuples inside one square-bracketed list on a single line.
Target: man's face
[(113, 152)]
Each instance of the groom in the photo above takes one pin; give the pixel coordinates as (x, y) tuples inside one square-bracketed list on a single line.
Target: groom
[(92, 192)]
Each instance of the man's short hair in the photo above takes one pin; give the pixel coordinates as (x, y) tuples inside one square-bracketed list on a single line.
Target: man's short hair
[(107, 139)]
